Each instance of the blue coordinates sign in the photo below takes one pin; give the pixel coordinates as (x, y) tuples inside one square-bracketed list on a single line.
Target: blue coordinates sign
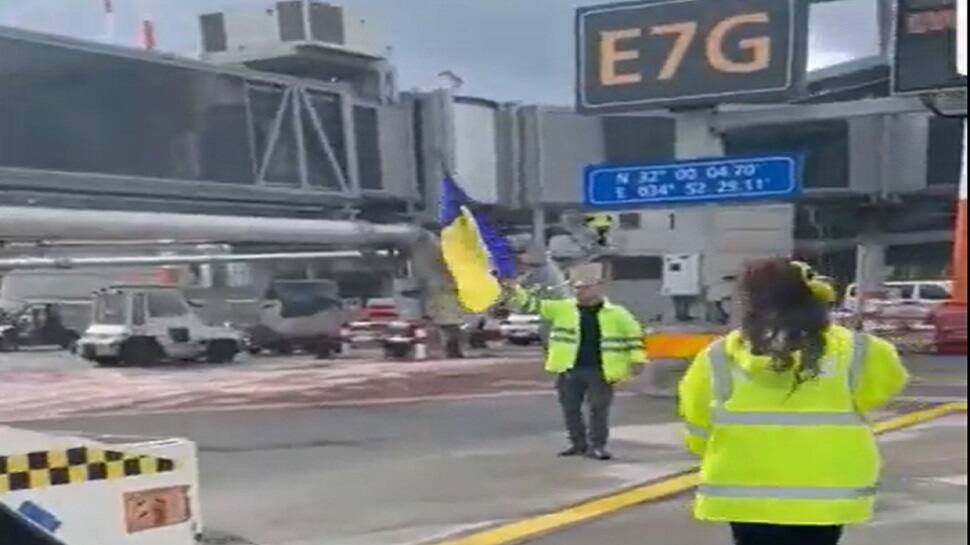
[(774, 177)]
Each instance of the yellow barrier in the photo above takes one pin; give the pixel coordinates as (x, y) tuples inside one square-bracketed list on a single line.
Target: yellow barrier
[(677, 346)]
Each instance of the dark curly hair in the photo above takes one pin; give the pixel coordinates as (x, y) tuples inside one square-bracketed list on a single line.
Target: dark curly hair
[(782, 317)]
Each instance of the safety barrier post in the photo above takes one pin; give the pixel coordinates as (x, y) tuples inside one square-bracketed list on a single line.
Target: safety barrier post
[(420, 343), (346, 342)]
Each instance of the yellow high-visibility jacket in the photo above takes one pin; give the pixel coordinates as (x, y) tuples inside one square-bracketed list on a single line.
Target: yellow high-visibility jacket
[(774, 455), (621, 341)]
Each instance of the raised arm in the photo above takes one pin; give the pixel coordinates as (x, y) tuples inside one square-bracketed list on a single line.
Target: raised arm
[(882, 377), (531, 302)]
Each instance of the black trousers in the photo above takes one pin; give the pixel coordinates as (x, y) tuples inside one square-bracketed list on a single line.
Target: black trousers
[(575, 388), (767, 534)]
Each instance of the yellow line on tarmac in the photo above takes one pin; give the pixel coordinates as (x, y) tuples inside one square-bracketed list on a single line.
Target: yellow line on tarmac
[(530, 528), (543, 524), (916, 418)]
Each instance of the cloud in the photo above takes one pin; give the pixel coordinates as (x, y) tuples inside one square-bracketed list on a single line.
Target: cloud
[(504, 49)]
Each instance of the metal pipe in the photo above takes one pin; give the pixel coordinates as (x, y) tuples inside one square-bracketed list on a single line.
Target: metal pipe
[(27, 223), (45, 244), (26, 263)]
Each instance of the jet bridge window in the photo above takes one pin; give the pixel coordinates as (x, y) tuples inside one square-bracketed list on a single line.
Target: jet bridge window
[(824, 144), (637, 268), (77, 110), (366, 129), (945, 151)]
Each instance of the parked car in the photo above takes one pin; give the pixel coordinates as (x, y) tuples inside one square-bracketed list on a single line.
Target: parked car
[(924, 294), (522, 329)]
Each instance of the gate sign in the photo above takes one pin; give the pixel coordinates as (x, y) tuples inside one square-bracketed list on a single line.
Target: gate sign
[(674, 53), (774, 177), (926, 54)]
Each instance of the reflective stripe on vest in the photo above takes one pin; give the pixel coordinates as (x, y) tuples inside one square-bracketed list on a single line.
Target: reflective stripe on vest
[(533, 304), (787, 419), (786, 493), (607, 344), (623, 341), (620, 344), (697, 431), (723, 380), (721, 372), (860, 352)]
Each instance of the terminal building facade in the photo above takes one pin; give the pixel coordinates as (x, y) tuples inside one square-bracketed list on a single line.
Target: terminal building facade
[(308, 129)]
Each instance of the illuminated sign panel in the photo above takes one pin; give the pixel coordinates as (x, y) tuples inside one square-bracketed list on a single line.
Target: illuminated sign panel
[(926, 47), (681, 53)]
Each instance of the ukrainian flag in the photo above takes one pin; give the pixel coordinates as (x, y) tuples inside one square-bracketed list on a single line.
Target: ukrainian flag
[(474, 251)]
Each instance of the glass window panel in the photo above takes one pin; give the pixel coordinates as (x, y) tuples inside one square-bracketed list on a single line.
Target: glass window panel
[(65, 109)]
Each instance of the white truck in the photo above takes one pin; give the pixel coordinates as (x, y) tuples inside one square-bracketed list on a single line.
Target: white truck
[(144, 325)]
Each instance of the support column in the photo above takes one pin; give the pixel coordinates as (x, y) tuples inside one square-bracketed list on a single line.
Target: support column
[(696, 138), (886, 13), (538, 229), (870, 268)]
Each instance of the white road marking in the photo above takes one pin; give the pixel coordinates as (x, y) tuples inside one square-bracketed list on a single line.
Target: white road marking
[(956, 480)]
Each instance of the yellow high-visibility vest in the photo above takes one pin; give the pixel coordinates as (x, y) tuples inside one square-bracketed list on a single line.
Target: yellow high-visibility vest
[(775, 455), (621, 336)]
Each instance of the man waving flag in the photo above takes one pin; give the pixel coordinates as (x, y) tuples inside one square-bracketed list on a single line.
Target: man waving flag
[(474, 251)]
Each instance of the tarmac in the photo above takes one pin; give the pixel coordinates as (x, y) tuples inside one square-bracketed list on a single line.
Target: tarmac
[(483, 471)]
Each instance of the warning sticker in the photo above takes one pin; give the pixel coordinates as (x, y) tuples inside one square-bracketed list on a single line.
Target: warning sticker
[(157, 508)]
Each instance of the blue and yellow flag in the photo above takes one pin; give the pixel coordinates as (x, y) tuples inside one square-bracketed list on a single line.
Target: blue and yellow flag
[(474, 251)]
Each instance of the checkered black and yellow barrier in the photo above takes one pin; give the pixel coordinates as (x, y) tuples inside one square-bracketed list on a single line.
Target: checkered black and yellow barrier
[(76, 465)]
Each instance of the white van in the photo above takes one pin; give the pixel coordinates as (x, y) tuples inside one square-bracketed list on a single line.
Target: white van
[(923, 293)]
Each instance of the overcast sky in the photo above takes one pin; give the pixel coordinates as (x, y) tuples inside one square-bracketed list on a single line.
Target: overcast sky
[(504, 49)]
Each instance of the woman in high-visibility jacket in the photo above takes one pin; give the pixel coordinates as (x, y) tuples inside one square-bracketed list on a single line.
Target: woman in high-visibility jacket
[(777, 411)]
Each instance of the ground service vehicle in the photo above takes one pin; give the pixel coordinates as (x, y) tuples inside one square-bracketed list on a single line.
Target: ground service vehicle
[(9, 338), (42, 325), (143, 325), (304, 314)]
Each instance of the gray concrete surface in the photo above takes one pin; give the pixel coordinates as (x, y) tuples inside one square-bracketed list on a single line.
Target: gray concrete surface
[(44, 385), (400, 474), (923, 501), (51, 359), (405, 474)]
